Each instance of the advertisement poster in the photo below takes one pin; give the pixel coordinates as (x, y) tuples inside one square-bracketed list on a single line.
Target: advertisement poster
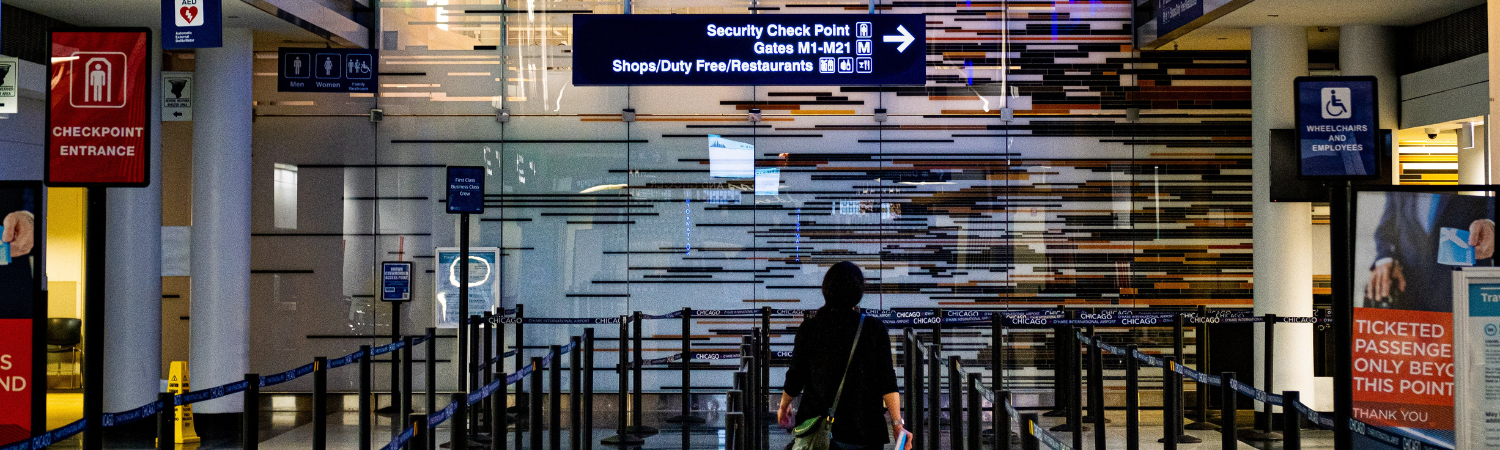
[(1407, 246), (1476, 311), (484, 284), (98, 108), (20, 280)]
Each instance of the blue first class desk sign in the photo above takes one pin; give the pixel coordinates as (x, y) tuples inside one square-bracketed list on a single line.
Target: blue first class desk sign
[(465, 190), (395, 281), (745, 49), (1337, 128)]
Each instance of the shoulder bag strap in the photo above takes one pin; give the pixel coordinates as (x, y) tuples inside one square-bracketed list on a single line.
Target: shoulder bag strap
[(857, 330)]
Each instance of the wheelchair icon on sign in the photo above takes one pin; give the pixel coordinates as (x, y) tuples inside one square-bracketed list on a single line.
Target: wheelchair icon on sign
[(1336, 103)]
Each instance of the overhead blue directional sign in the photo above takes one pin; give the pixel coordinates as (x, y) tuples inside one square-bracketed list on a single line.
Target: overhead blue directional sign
[(395, 281), (327, 70), (743, 49), (465, 190), (1336, 128)]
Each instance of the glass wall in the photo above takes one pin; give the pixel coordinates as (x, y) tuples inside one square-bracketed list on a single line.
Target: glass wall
[(944, 204)]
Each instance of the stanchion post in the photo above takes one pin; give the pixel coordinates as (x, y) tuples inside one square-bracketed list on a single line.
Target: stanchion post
[(1269, 372), (687, 416), (1059, 367), (907, 394), (974, 412), (765, 366), (734, 420), (1169, 405), (1096, 389), (430, 363), (934, 401), (1075, 387), (955, 404), (919, 392), (365, 396), (165, 415), (420, 438), (1001, 419), (1132, 399), (458, 432), (554, 399), (249, 423), (997, 351), (575, 397), (1291, 423), (320, 403), (498, 423), (471, 372), (487, 373), (622, 436), (1228, 407), (1029, 440), (637, 426), (405, 397), (1200, 346), (587, 430), (534, 425), (521, 403)]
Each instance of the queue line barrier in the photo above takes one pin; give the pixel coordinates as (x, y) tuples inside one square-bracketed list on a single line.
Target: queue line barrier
[(110, 420)]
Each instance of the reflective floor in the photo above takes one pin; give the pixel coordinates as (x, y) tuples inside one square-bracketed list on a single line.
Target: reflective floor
[(293, 430)]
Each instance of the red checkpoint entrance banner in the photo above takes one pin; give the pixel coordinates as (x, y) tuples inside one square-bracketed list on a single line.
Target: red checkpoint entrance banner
[(98, 108)]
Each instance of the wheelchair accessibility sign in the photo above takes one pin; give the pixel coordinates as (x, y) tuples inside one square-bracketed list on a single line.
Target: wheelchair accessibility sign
[(1336, 103), (1336, 128)]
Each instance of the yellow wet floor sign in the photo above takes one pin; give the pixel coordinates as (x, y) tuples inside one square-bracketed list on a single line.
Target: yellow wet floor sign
[(177, 384)]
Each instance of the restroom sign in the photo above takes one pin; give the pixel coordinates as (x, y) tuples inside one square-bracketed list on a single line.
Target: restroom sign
[(97, 117), (1336, 127)]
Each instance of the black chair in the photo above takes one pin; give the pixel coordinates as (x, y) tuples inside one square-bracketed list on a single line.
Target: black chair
[(63, 336)]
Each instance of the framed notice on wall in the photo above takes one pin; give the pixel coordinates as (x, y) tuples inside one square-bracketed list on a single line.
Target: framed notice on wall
[(484, 284), (98, 109), (1476, 345)]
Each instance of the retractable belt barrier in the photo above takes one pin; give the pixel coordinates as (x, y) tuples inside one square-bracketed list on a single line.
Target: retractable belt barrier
[(901, 318), (108, 420)]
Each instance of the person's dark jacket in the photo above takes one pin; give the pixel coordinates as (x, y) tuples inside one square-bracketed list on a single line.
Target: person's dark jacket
[(818, 360)]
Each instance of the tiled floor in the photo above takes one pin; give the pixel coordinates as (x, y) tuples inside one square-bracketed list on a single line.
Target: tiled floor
[(292, 430)]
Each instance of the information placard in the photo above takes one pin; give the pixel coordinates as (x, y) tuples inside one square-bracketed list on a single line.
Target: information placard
[(327, 70), (1476, 324), (191, 24), (465, 190), (177, 96), (10, 80), (484, 283), (97, 117), (395, 281), (742, 49), (1336, 127)]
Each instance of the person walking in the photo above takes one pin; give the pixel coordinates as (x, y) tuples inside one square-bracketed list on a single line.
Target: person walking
[(842, 367)]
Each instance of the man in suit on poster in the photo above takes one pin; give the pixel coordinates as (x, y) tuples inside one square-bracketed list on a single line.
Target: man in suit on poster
[(17, 215), (1412, 270)]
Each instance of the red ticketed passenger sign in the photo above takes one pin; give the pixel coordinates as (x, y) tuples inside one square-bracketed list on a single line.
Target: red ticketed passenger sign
[(98, 108)]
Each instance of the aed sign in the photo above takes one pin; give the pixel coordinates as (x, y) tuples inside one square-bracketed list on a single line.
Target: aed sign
[(97, 116), (742, 49), (327, 70), (1336, 127), (191, 24)]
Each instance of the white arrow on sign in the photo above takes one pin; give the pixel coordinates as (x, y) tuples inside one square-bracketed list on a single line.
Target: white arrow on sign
[(905, 39)]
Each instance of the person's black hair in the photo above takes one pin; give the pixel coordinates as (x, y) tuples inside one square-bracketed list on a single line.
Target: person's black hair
[(843, 286)]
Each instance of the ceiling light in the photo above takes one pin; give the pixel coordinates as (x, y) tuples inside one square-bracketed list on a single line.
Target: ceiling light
[(603, 187)]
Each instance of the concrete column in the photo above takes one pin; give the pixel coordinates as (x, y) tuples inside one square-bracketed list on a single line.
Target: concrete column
[(221, 218), (1283, 231), (1472, 165), (1493, 10), (1370, 50), (132, 331)]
